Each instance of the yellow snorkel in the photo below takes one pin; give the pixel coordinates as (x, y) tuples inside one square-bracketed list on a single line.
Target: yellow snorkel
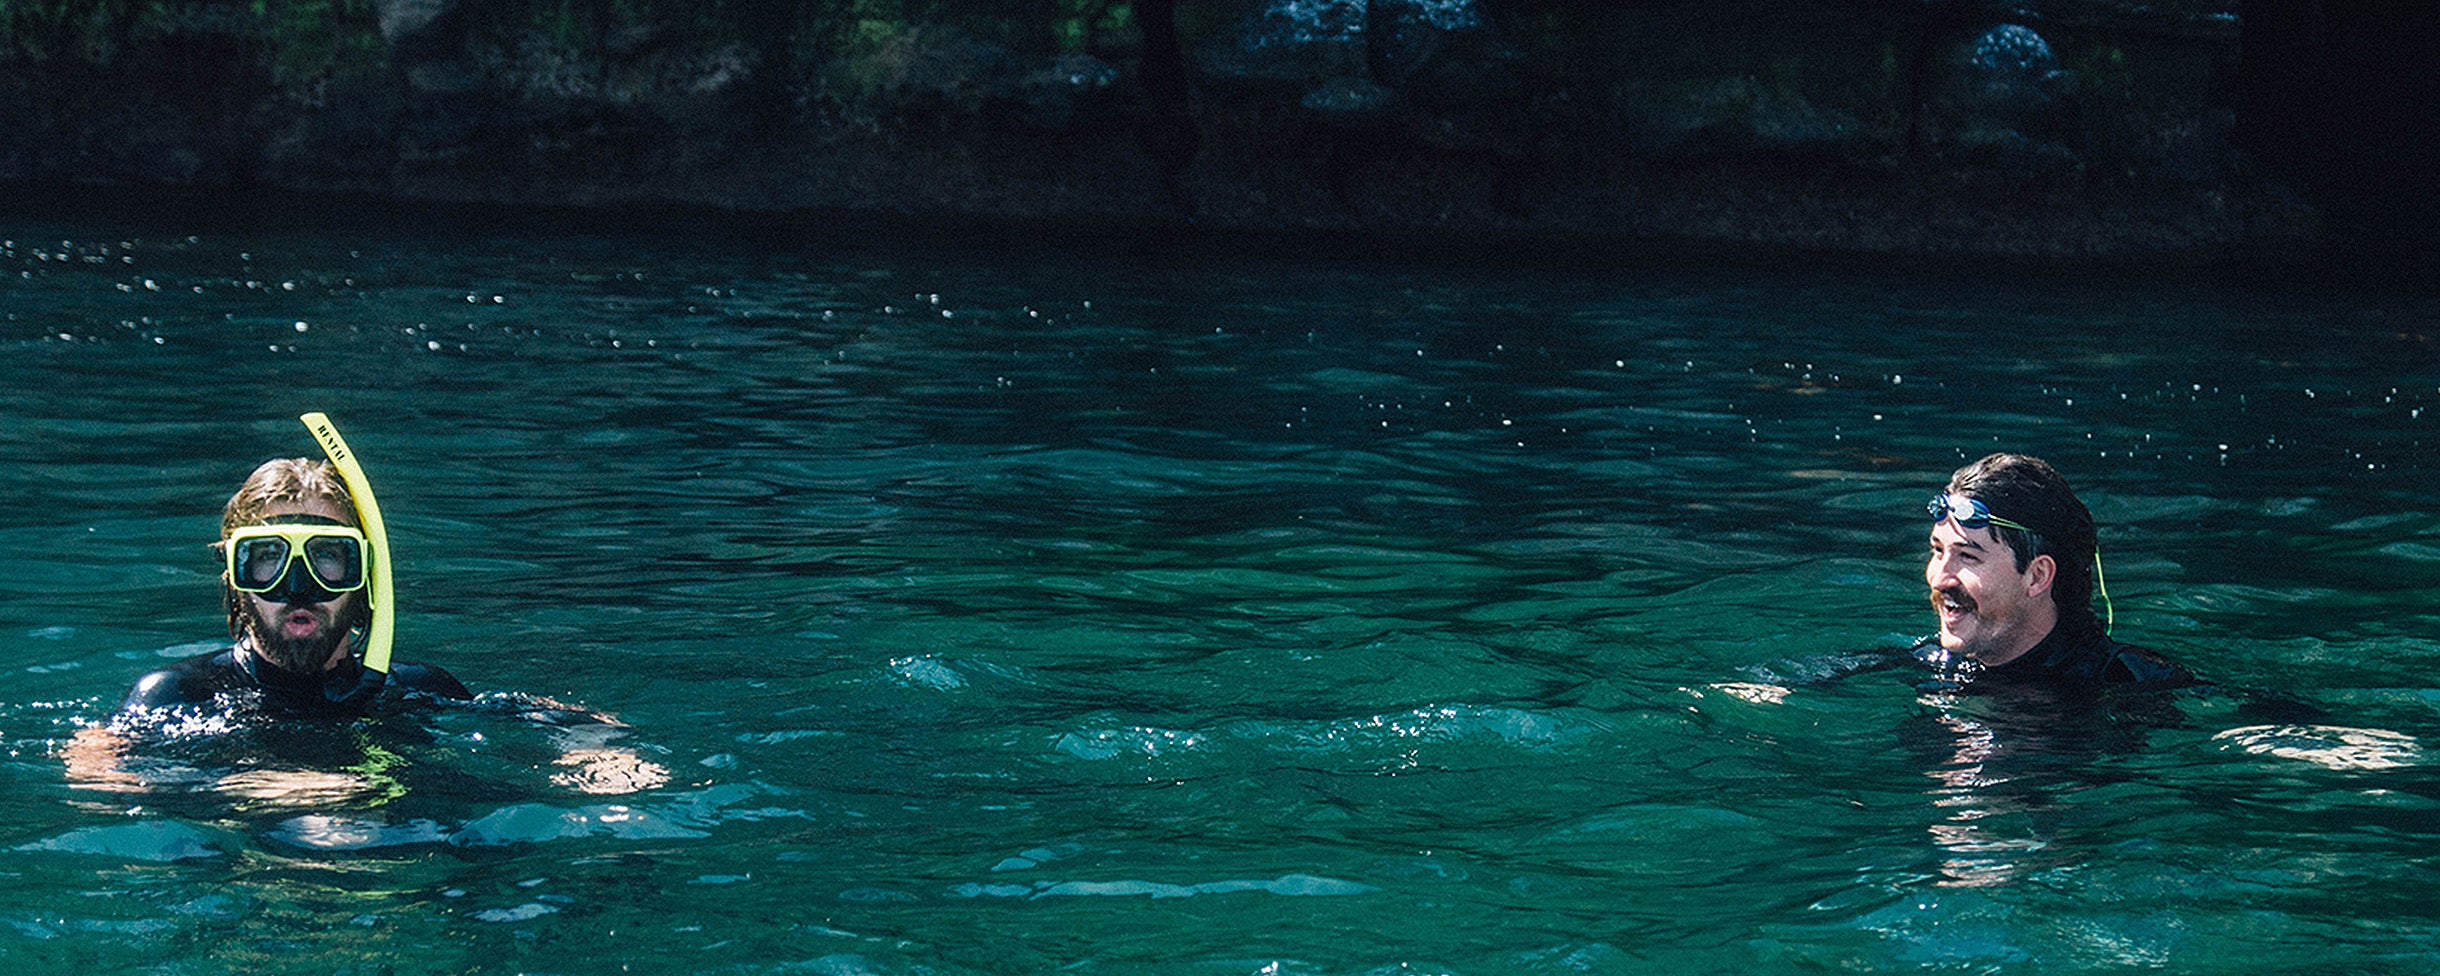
[(377, 548)]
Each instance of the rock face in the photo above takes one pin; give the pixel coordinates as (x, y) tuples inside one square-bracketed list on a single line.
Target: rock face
[(1945, 126), (2003, 102)]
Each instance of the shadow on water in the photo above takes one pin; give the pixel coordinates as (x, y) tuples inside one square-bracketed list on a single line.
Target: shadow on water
[(2390, 265)]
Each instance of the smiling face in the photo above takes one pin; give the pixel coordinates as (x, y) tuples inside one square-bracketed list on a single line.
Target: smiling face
[(302, 637), (1989, 610)]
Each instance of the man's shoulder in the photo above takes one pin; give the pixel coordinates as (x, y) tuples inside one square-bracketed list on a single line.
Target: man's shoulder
[(201, 678), (2135, 665), (2090, 657), (416, 677), (189, 680)]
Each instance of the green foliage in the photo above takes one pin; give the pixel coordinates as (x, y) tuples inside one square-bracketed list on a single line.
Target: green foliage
[(307, 38), (2103, 72), (311, 38), (300, 39)]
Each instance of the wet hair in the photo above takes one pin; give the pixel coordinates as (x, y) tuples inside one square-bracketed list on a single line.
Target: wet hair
[(275, 481), (2029, 492), (284, 480)]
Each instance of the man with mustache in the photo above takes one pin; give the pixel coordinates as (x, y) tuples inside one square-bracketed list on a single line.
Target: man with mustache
[(2012, 566), (293, 584)]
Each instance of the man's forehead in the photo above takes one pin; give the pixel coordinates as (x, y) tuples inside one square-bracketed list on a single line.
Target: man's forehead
[(1949, 531)]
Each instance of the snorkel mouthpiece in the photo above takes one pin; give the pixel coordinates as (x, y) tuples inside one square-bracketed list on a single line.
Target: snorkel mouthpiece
[(377, 541)]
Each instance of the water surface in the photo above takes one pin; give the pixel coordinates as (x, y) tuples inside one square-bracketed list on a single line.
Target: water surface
[(1022, 611)]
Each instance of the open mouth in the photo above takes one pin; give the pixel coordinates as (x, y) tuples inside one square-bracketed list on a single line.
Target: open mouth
[(299, 623), (1952, 604)]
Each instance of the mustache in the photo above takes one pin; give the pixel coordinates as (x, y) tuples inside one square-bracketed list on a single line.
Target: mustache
[(1956, 595)]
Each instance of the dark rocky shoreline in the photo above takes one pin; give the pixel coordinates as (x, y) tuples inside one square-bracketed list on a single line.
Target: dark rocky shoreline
[(1902, 130)]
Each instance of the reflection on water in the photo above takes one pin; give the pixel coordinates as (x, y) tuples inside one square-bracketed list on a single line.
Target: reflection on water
[(258, 763), (2010, 761), (1971, 796), (1030, 613), (2327, 746)]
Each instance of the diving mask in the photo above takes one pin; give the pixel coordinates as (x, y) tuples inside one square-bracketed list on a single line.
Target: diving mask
[(261, 557)]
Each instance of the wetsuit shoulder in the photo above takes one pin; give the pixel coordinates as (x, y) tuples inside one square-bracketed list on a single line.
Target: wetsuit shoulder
[(188, 681), (2132, 665), (413, 678)]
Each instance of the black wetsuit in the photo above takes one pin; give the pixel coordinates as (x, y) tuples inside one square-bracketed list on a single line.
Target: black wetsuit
[(349, 691), (2069, 658)]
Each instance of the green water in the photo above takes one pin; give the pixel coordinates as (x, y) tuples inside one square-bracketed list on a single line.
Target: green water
[(1024, 612)]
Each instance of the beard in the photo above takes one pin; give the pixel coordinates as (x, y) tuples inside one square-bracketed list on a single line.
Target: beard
[(306, 654)]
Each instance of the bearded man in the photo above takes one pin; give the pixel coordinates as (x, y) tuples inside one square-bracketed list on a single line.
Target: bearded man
[(294, 567)]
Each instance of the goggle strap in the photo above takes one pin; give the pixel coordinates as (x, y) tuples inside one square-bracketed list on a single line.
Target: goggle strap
[(1977, 514)]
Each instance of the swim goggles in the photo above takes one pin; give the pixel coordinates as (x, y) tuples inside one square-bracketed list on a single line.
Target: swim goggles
[(1970, 513), (261, 556)]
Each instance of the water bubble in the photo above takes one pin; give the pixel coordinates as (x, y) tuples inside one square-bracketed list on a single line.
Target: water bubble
[(301, 326), (432, 347)]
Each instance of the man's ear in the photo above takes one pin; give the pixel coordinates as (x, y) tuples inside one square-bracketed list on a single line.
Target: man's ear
[(2039, 574)]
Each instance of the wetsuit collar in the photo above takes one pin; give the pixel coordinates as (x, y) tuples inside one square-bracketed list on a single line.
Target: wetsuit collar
[(337, 684), (2065, 643)]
